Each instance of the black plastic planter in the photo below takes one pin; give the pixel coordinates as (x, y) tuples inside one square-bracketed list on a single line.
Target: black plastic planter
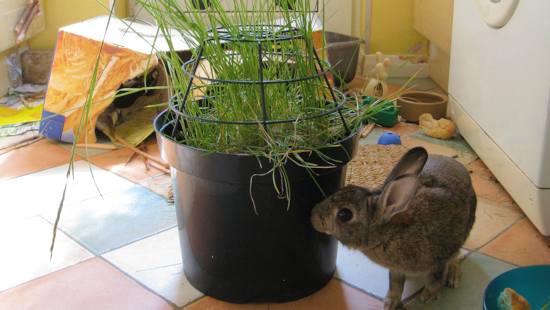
[(234, 254)]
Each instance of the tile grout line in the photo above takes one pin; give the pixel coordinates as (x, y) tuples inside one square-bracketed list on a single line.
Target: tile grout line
[(196, 300), (138, 282), (477, 250), (358, 288), (59, 229), (516, 206), (68, 235), (68, 266), (140, 239), (153, 177), (498, 259), (100, 256)]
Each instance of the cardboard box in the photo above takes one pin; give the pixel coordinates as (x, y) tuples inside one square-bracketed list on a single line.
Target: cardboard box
[(124, 54)]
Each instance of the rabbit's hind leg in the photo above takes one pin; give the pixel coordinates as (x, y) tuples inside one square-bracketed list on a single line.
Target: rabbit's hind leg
[(452, 275)]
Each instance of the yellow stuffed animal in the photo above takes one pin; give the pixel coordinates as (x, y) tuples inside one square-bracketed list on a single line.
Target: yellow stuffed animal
[(442, 129)]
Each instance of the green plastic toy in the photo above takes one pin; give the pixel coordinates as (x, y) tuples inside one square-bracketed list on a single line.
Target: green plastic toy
[(386, 117)]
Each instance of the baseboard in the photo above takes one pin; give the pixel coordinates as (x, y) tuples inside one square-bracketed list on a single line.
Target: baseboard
[(531, 199), (408, 69), (440, 63)]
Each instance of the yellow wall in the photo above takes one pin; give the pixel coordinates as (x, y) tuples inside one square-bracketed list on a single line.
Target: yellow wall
[(60, 13), (391, 30), (391, 27)]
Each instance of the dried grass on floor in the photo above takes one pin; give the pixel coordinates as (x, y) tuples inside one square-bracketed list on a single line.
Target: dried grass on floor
[(372, 164)]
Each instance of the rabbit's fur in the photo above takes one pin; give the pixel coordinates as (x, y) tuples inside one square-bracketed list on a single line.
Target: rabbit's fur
[(415, 224)]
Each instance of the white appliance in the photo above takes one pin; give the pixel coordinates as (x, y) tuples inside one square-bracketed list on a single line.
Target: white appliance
[(499, 87)]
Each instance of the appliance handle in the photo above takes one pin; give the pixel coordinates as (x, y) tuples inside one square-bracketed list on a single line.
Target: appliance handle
[(496, 13)]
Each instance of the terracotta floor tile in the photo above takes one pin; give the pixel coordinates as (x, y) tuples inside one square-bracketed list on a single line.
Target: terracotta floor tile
[(31, 158), (85, 153), (156, 262), (486, 184), (492, 218), (522, 245), (26, 252), (479, 168), (90, 285), (135, 170), (403, 128), (462, 157), (160, 185), (335, 296)]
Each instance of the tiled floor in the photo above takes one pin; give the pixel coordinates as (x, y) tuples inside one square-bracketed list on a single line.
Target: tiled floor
[(117, 245)]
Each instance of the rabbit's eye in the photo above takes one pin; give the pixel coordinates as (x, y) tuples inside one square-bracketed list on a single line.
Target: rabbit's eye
[(345, 215)]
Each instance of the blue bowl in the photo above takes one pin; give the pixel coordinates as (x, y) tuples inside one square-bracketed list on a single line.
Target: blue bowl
[(532, 282), (389, 138)]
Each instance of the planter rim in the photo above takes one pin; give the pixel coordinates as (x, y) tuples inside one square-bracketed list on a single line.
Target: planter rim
[(194, 161), (161, 129)]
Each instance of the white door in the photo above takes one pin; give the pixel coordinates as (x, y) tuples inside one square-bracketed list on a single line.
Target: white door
[(337, 14)]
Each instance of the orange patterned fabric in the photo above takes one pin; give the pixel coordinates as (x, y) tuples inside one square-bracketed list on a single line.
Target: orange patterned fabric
[(72, 72)]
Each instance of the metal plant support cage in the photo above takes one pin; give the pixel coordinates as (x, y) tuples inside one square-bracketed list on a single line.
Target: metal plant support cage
[(262, 35)]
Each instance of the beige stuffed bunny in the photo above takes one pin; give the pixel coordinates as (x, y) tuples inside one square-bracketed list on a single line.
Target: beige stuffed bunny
[(376, 86)]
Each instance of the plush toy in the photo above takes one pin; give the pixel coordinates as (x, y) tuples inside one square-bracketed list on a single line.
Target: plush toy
[(376, 86), (442, 129)]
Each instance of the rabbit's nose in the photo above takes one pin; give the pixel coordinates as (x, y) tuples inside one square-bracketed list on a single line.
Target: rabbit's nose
[(318, 224)]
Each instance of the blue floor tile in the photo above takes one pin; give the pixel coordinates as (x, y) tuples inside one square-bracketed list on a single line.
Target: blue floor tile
[(373, 136), (121, 217), (456, 142), (477, 272)]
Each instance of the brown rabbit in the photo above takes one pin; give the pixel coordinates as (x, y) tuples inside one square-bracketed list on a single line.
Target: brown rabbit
[(415, 224)]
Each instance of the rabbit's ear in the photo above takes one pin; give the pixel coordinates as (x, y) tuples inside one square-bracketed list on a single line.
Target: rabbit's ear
[(411, 163), (395, 198)]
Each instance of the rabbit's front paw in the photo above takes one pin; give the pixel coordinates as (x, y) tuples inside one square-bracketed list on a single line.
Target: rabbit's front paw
[(453, 274), (391, 303), (430, 293)]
